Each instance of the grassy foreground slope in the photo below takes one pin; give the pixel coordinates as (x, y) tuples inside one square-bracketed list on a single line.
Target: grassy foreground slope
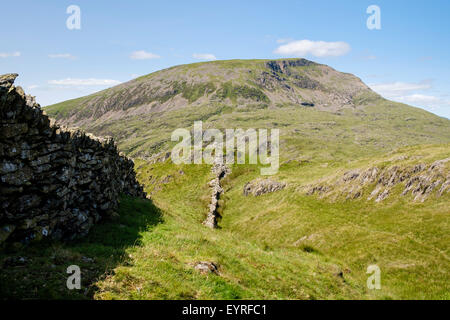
[(284, 245), (149, 253), (261, 245)]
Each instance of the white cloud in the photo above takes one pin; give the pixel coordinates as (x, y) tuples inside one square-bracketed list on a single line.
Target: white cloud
[(406, 92), (395, 89), (84, 82), (303, 48), (143, 55), (12, 54), (61, 56), (33, 86), (204, 56), (421, 99), (428, 102)]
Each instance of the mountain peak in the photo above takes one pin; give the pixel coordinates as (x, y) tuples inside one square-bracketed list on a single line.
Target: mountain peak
[(236, 83), (305, 99)]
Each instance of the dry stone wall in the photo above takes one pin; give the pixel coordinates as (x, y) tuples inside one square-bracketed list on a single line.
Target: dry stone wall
[(55, 182)]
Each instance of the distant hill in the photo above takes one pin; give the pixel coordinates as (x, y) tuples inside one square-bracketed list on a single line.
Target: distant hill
[(320, 111)]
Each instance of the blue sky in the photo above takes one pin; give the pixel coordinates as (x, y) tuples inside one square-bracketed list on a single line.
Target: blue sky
[(407, 60)]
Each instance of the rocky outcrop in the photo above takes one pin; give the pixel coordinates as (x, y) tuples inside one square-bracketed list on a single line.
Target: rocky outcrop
[(283, 66), (206, 267), (259, 187), (419, 180), (160, 157), (55, 182), (219, 171)]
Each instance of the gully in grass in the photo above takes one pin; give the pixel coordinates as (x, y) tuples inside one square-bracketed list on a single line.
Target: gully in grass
[(190, 148)]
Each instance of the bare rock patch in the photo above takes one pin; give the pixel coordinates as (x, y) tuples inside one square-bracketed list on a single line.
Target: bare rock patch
[(259, 187)]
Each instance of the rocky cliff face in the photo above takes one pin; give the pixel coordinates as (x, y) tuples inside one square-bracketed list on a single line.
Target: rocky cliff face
[(55, 182)]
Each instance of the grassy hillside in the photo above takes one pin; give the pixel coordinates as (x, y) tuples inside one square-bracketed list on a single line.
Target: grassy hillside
[(285, 245), (347, 119)]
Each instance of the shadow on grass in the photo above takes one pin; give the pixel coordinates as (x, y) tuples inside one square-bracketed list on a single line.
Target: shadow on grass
[(39, 271)]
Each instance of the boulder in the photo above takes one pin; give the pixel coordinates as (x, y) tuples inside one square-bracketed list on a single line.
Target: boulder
[(206, 267)]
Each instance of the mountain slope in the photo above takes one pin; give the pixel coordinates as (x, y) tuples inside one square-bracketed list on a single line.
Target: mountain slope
[(311, 104), (234, 82)]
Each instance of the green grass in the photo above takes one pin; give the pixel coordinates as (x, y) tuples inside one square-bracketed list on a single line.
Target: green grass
[(162, 267), (154, 257), (44, 276), (304, 132), (233, 92), (408, 240), (259, 237)]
